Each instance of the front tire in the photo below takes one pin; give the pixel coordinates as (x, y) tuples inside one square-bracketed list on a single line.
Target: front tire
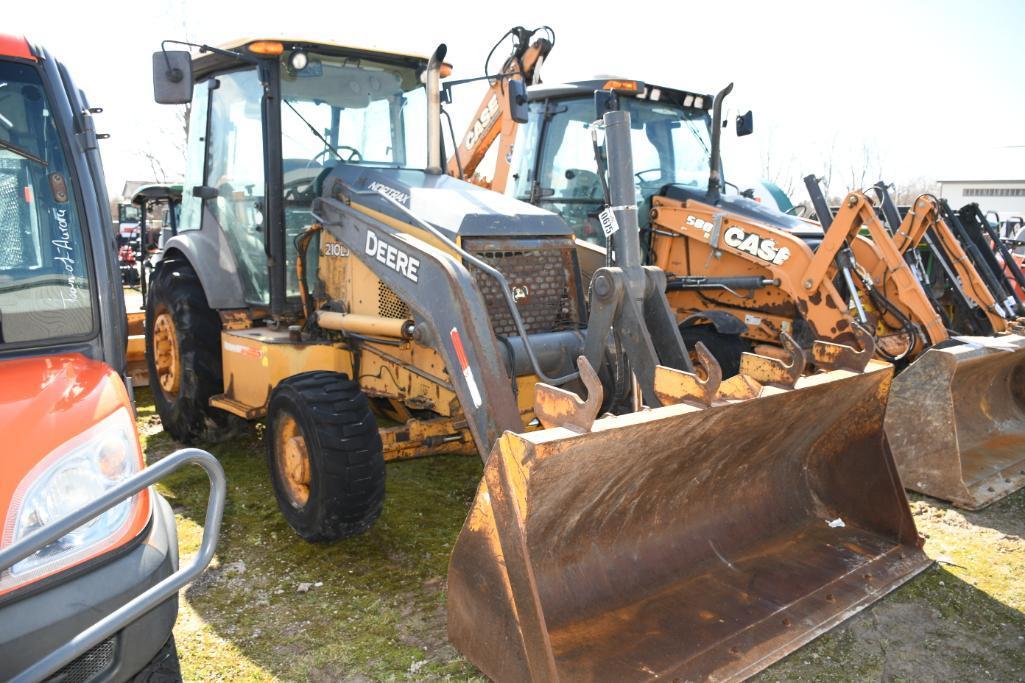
[(183, 354), (726, 348), (325, 456)]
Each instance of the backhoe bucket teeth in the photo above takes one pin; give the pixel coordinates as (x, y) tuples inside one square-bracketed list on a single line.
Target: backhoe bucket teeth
[(956, 421), (683, 542)]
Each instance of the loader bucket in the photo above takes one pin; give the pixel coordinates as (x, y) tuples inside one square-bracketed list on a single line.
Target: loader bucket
[(956, 421), (683, 543)]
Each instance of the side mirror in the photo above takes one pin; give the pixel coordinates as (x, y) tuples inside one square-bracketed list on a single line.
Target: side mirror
[(517, 100), (745, 124), (172, 77)]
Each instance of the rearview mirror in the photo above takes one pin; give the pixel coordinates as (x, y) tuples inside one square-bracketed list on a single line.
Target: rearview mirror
[(745, 124), (517, 101), (172, 77)]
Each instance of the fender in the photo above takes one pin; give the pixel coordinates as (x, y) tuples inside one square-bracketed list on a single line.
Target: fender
[(722, 321), (208, 252)]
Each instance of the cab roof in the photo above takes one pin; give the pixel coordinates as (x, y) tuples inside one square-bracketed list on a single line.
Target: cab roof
[(207, 63), (623, 86), (15, 46), (172, 192)]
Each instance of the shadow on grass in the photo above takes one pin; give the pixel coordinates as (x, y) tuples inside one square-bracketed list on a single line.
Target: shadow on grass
[(1006, 515), (936, 627), (373, 604)]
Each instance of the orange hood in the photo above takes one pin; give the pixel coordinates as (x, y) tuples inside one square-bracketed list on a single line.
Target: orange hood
[(46, 401)]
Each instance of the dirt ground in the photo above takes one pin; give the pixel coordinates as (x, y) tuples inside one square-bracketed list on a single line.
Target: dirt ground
[(274, 608)]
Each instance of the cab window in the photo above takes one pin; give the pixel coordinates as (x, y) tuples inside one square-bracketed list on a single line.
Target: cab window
[(45, 270)]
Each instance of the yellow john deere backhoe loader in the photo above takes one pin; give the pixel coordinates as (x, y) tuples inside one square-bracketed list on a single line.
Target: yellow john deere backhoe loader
[(742, 276), (636, 518)]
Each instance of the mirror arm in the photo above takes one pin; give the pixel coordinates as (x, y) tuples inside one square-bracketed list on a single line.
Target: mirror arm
[(249, 59)]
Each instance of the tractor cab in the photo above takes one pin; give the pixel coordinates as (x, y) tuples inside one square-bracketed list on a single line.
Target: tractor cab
[(280, 118), (671, 131)]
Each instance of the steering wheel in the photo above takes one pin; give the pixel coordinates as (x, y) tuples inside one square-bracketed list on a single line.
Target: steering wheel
[(298, 190), (639, 174)]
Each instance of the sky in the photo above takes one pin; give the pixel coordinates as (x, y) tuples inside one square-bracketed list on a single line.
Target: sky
[(900, 90)]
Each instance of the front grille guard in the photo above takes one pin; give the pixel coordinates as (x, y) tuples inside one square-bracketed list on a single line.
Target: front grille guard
[(135, 608), (487, 269)]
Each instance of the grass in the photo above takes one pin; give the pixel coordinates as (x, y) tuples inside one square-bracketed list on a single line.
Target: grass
[(273, 607)]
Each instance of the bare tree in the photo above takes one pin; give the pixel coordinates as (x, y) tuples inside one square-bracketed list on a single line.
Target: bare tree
[(907, 191), (866, 167), (777, 170), (156, 166)]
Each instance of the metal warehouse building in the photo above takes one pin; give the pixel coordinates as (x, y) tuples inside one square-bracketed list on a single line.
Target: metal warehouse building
[(998, 186)]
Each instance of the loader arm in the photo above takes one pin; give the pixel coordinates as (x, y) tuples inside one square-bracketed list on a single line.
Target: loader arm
[(924, 217), (450, 313), (493, 120)]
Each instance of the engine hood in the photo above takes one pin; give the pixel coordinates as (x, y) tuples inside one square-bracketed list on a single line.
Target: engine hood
[(44, 402), (750, 209), (456, 207)]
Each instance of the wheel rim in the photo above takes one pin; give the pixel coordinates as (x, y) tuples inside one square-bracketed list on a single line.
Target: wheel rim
[(292, 460), (165, 353)]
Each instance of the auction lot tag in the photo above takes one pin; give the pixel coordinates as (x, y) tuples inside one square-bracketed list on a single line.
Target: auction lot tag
[(609, 224)]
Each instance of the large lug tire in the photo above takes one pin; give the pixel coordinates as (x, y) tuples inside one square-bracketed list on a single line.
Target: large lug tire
[(164, 668), (325, 456), (726, 348), (183, 353)]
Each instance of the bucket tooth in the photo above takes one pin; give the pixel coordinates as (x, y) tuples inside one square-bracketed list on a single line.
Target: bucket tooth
[(682, 542), (956, 420), (831, 356), (557, 407), (740, 388), (678, 386), (768, 370)]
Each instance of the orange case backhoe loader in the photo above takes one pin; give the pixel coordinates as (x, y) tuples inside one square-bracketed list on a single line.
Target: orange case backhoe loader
[(751, 274)]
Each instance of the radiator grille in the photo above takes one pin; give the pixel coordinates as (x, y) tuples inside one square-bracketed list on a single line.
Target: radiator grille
[(389, 305), (543, 276), (89, 666)]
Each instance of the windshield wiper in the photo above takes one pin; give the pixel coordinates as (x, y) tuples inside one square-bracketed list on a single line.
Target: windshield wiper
[(24, 153), (328, 145), (697, 135)]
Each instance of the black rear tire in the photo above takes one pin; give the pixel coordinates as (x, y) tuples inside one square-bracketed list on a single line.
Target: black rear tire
[(344, 471), (726, 348), (175, 291)]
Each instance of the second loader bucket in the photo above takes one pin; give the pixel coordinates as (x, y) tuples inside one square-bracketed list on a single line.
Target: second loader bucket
[(683, 542), (956, 420)]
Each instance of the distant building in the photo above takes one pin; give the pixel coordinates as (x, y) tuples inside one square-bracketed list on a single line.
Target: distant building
[(997, 184)]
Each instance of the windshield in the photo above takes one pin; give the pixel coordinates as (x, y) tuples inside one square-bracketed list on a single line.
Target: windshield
[(351, 110), (343, 110), (671, 145), (44, 269)]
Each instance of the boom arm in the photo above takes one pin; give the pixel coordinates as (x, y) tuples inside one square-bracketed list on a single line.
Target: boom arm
[(856, 212), (493, 119), (924, 217)]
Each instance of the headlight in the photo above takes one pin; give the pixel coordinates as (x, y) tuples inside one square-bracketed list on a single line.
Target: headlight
[(73, 475)]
